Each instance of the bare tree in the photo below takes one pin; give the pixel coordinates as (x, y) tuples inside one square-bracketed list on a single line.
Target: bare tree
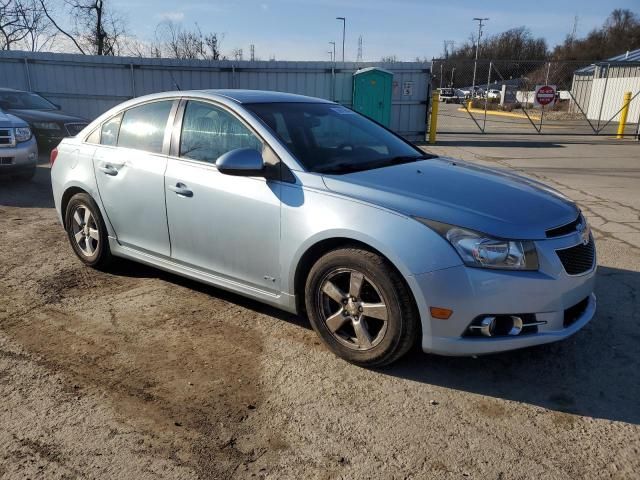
[(12, 23), (177, 42), (40, 31), (96, 28)]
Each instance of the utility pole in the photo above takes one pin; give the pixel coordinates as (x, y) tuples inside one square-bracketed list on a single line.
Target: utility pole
[(475, 64), (359, 57), (333, 59), (344, 29)]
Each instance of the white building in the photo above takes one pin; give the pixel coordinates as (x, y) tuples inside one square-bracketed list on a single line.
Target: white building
[(599, 88)]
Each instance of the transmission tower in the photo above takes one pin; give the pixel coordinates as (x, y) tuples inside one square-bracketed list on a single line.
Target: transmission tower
[(252, 52), (359, 59), (449, 46)]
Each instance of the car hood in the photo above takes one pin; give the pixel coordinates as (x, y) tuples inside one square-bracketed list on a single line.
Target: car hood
[(491, 201), (10, 121), (46, 116)]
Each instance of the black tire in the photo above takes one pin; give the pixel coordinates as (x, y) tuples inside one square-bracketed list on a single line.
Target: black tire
[(381, 279), (26, 175), (100, 256)]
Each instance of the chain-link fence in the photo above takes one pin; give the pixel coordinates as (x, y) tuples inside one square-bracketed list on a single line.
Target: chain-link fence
[(509, 97)]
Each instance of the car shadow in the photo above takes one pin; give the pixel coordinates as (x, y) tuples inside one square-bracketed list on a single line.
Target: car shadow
[(133, 269), (595, 373), (34, 193)]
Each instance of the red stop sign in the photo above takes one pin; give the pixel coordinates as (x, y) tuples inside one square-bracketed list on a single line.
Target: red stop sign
[(545, 95)]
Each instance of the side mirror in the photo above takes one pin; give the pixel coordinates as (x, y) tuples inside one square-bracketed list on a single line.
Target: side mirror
[(242, 162)]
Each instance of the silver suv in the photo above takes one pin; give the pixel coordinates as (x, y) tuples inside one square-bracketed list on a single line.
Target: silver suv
[(18, 149)]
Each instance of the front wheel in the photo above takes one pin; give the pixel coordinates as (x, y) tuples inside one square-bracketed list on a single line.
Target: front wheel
[(360, 307), (87, 232)]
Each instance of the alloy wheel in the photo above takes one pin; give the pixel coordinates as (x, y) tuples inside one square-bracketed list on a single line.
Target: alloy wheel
[(353, 309), (85, 230)]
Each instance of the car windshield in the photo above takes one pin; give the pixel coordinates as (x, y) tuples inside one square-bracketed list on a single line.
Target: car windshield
[(330, 138), (24, 101)]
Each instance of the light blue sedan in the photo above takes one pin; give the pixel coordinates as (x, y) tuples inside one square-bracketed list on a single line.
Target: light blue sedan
[(304, 204)]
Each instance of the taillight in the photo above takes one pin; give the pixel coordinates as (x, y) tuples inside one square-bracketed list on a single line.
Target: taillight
[(54, 155)]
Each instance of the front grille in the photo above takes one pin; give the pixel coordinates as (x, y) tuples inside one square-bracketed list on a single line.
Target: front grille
[(578, 259), (572, 314), (74, 128), (6, 160), (6, 137), (564, 229)]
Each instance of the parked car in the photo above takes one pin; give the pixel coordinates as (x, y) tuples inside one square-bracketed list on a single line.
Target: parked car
[(311, 207), (448, 95), (18, 149), (493, 94), (47, 122)]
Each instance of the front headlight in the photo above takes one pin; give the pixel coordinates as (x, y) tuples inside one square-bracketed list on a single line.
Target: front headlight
[(23, 134), (47, 126), (480, 250)]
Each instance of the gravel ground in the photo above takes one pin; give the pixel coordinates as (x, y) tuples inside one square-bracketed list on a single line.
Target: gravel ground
[(141, 374)]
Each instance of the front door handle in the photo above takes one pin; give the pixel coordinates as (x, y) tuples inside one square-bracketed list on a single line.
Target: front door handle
[(180, 189), (108, 169)]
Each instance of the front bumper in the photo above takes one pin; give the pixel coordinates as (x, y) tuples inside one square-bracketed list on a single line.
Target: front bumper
[(48, 140), (474, 292), (21, 158)]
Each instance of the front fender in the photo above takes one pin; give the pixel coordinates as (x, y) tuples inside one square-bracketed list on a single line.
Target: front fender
[(317, 216)]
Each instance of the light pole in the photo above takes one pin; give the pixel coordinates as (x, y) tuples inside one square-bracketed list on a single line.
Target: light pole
[(334, 50), (475, 64), (344, 28)]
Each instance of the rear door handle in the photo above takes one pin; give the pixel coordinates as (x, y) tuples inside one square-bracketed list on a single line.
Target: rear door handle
[(108, 169), (180, 189)]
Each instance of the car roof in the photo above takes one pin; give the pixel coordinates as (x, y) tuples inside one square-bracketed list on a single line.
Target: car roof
[(261, 96)]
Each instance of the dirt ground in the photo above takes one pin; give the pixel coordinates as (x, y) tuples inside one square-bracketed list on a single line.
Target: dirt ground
[(141, 374)]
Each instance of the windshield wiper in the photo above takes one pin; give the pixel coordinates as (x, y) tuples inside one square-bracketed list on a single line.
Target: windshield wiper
[(347, 167), (342, 167)]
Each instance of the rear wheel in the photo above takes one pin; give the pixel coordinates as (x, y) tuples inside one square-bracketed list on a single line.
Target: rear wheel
[(361, 308), (87, 232)]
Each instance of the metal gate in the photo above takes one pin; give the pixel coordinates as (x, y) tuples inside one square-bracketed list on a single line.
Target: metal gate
[(588, 97)]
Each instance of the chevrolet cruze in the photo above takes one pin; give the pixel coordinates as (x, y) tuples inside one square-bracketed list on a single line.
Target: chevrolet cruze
[(306, 205)]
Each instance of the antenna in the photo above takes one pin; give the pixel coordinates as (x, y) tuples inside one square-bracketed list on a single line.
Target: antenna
[(359, 59), (175, 84)]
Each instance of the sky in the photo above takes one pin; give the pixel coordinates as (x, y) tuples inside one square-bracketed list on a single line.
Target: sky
[(302, 30)]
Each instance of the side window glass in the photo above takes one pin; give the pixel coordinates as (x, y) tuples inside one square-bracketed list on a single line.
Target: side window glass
[(209, 132), (143, 127), (109, 135), (94, 137)]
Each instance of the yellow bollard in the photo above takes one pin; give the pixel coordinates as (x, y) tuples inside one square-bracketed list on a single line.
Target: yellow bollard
[(433, 122), (469, 104), (623, 114)]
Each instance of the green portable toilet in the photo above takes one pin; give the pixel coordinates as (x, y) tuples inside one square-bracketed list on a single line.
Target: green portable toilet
[(372, 89)]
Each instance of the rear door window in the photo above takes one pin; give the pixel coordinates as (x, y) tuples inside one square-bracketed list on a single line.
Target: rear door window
[(143, 127)]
